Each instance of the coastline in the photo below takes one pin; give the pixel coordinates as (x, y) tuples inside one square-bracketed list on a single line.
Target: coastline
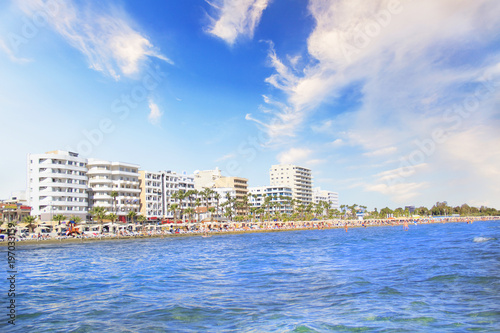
[(314, 225)]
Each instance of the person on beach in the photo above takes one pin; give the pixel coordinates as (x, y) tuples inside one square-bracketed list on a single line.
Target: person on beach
[(405, 225), (346, 227)]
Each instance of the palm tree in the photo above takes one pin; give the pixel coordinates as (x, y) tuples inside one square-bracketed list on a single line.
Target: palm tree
[(113, 195), (260, 212), (211, 210), (253, 211), (217, 198), (98, 213), (76, 219), (207, 194), (300, 209), (30, 219), (131, 215), (141, 218), (180, 195), (189, 211), (173, 208), (267, 205), (113, 217), (59, 218), (197, 204)]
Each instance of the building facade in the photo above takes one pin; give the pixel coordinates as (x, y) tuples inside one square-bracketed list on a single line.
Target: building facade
[(57, 183), (299, 179), (158, 193), (327, 196), (280, 198), (105, 178)]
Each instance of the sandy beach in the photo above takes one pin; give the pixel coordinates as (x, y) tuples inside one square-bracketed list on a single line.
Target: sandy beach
[(297, 226)]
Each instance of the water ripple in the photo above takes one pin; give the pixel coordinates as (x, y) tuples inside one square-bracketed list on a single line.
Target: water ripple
[(432, 278)]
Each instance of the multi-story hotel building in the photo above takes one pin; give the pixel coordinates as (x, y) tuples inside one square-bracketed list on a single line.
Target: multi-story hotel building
[(280, 198), (214, 180), (152, 196), (57, 184), (106, 177), (158, 193), (299, 179), (328, 196), (240, 186)]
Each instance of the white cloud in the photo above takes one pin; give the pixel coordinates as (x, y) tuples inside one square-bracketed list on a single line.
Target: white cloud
[(235, 18), (226, 157), (294, 155), (155, 114), (381, 152), (105, 37), (401, 193), (7, 50), (412, 80), (315, 162), (337, 143)]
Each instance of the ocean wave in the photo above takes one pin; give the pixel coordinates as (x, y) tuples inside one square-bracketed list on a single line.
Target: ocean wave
[(483, 239)]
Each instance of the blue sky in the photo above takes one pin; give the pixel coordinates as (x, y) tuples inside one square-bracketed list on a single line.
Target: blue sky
[(389, 102)]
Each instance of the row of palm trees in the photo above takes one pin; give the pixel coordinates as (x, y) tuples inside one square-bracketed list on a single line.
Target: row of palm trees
[(241, 210)]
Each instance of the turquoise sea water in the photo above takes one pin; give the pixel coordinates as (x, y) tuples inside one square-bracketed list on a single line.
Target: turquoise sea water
[(432, 278)]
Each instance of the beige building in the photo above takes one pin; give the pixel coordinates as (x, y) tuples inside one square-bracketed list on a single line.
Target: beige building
[(240, 185), (299, 179)]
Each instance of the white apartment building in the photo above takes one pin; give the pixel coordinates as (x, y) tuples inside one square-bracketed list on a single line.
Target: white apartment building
[(158, 189), (173, 183), (327, 196), (105, 177), (57, 184), (151, 199), (299, 179), (280, 198)]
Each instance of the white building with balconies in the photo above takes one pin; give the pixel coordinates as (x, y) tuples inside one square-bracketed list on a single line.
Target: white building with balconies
[(279, 198), (57, 183), (326, 196), (158, 190), (106, 177), (299, 179)]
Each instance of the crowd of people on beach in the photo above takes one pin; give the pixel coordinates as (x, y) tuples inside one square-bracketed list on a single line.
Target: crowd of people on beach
[(265, 226)]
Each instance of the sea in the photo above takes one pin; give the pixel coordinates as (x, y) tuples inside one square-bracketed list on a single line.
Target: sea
[(431, 278)]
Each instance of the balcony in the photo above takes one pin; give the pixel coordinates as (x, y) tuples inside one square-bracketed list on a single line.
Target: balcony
[(100, 180), (98, 171)]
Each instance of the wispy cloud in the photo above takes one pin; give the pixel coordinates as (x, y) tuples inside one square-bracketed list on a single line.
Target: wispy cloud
[(413, 80), (294, 155), (106, 37), (381, 152), (7, 50), (226, 157), (155, 114), (235, 18)]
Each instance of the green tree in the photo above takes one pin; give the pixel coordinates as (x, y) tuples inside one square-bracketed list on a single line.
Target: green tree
[(173, 208), (98, 213), (198, 205), (30, 220), (141, 219), (113, 195), (131, 215), (59, 218), (216, 196), (76, 219)]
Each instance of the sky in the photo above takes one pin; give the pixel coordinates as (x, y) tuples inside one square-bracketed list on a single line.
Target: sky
[(390, 103)]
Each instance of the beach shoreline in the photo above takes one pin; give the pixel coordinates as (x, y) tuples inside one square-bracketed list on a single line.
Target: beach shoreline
[(314, 225)]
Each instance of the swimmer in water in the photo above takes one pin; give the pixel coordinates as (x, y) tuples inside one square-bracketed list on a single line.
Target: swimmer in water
[(346, 227), (405, 225)]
